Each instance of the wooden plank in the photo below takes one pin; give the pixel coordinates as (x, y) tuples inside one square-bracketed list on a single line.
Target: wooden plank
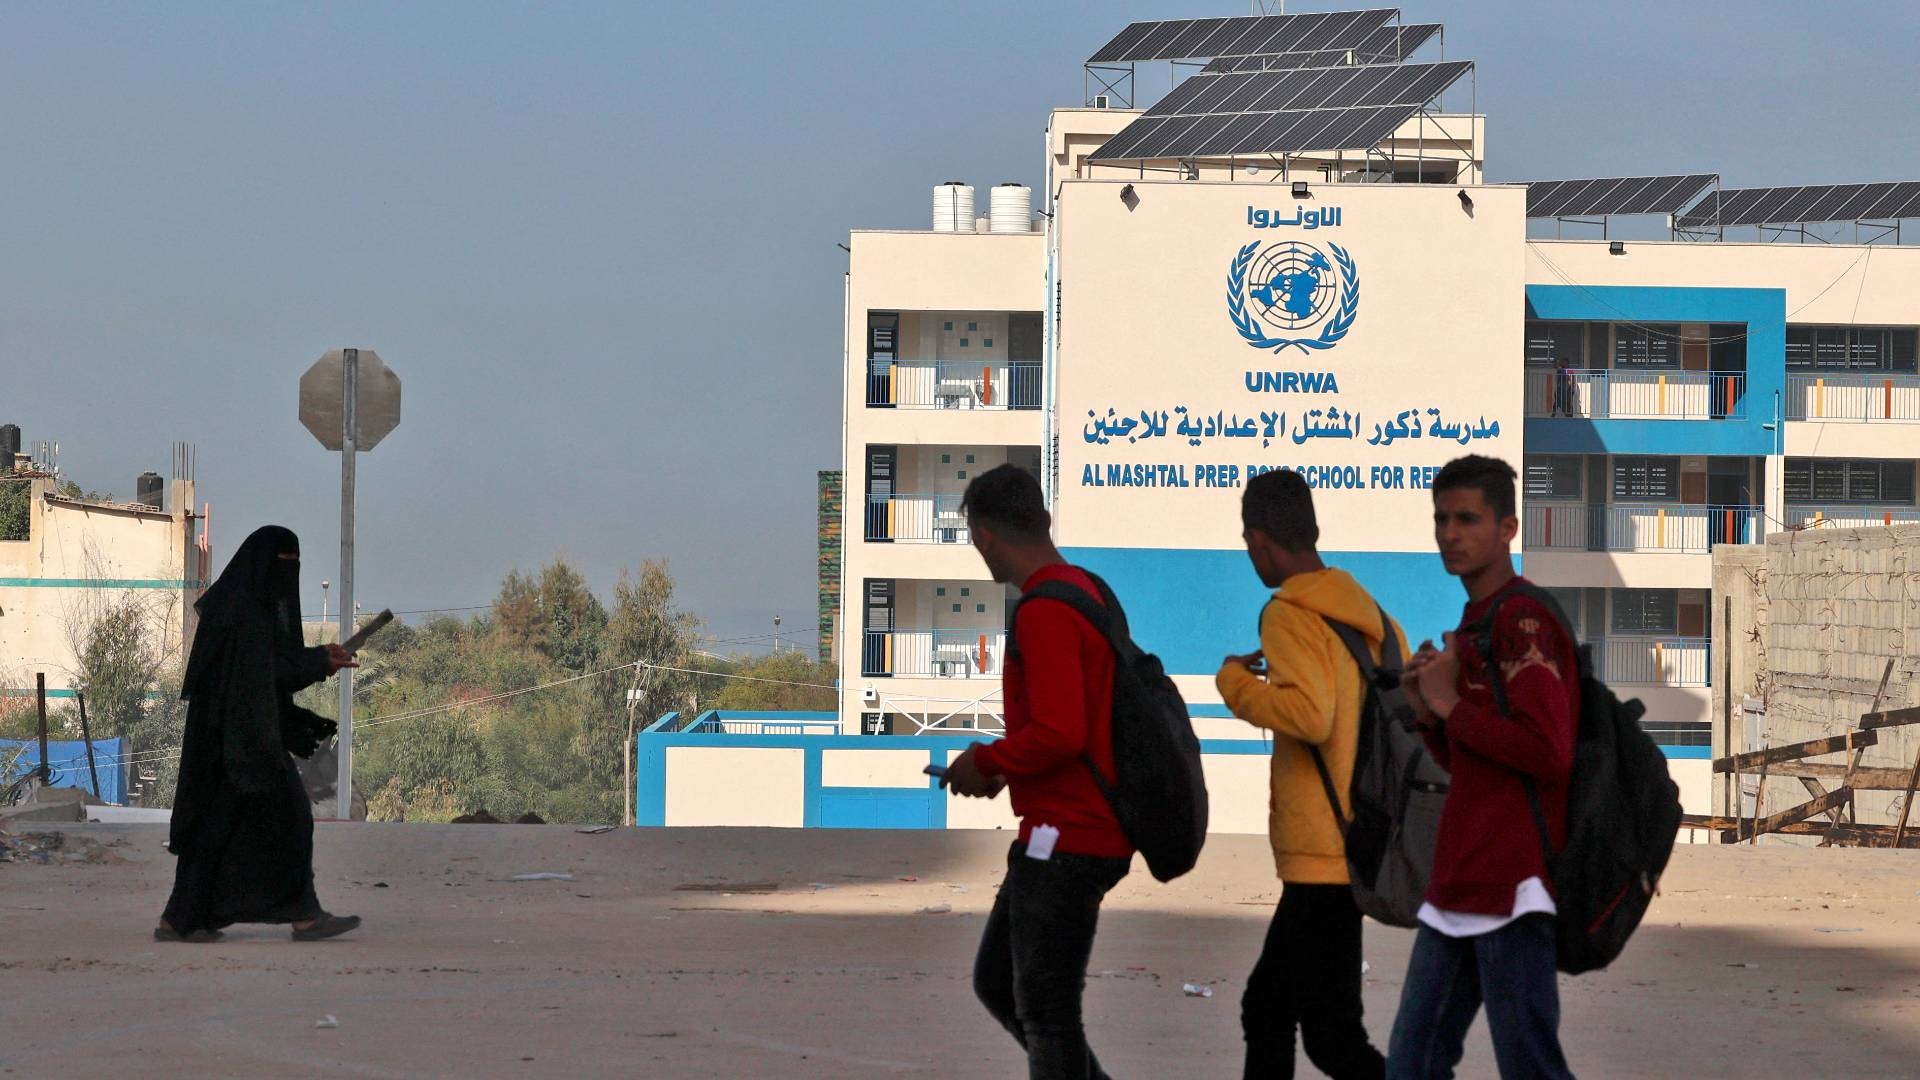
[(1832, 745), (1865, 778), (1816, 789), (1890, 718), (1773, 823), (1865, 835), (1853, 762), (1906, 807)]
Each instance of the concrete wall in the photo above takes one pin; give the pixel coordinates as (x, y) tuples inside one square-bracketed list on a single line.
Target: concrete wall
[(76, 558), (1816, 616)]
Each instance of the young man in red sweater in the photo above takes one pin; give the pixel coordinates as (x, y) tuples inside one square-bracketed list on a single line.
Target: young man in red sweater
[(1058, 698), (1487, 932)]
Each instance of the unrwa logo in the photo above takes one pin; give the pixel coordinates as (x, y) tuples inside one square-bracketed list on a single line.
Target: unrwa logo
[(1278, 292)]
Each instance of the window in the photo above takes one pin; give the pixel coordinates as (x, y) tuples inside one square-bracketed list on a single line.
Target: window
[(1849, 480), (946, 326), (980, 609), (1852, 348), (1553, 476), (963, 343), (1637, 345), (1556, 344), (988, 342), (966, 592), (1646, 611), (946, 459), (1640, 479), (956, 609), (972, 326), (969, 459)]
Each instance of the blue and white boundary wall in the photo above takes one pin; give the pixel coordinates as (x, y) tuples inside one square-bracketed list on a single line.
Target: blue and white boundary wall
[(795, 770)]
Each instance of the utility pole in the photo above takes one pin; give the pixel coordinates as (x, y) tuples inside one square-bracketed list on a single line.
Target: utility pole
[(636, 692)]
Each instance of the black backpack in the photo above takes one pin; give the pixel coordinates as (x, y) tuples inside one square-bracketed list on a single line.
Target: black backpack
[(1158, 793), (1397, 791), (1623, 810)]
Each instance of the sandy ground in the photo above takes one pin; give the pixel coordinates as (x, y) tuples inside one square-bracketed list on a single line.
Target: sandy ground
[(744, 953)]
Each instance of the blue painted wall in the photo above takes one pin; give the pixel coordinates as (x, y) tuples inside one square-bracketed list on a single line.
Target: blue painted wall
[(1764, 311), (1194, 607)]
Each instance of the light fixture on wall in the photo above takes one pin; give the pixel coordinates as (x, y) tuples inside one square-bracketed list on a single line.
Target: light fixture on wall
[(1300, 190), (1466, 201), (1617, 247)]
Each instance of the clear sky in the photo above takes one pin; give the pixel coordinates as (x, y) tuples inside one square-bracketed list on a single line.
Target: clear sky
[(597, 241)]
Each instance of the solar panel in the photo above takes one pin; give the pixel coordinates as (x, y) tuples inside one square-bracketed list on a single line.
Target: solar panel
[(1804, 204), (1277, 132), (1184, 39), (1387, 45), (1615, 195), (1370, 86)]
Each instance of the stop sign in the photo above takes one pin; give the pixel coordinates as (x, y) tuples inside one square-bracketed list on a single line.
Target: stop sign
[(323, 399)]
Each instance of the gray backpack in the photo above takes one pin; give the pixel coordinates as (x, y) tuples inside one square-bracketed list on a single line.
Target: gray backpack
[(1397, 792)]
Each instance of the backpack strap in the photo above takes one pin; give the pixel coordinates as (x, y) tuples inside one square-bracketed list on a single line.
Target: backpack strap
[(1107, 617), (1356, 644), (1484, 641)]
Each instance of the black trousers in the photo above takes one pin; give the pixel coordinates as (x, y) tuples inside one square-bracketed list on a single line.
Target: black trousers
[(1032, 966), (1308, 977)]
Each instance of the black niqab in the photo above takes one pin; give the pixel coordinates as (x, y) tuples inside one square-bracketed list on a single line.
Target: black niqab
[(242, 826)]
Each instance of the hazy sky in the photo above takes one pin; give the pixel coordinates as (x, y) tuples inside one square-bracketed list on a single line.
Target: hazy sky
[(597, 242)]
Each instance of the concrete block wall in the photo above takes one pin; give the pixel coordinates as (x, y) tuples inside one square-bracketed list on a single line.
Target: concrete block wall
[(1816, 615)]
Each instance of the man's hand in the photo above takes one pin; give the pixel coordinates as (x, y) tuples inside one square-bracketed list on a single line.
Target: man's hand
[(338, 658), (1253, 662), (965, 778), (1439, 679)]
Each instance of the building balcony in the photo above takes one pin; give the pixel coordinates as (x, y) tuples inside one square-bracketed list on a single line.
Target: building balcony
[(936, 654), (944, 384), (1850, 517), (916, 519), (1619, 394), (1651, 661), (1691, 529), (1857, 398)]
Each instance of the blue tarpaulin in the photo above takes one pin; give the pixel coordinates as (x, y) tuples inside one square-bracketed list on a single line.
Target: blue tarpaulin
[(69, 761)]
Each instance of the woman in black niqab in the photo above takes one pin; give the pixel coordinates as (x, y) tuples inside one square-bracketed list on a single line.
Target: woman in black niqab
[(242, 826)]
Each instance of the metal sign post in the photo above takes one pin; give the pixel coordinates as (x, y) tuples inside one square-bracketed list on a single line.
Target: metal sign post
[(349, 436), (350, 401)]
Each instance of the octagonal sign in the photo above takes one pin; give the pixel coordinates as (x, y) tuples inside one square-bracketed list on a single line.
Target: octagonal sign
[(323, 398)]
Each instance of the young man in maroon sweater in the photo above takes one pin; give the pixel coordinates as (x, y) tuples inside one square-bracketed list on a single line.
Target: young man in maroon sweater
[(1487, 933), (1058, 698)]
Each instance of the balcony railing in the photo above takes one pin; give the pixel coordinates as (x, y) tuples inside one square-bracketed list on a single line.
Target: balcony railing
[(1850, 517), (1651, 661), (1861, 397), (916, 519), (1572, 526), (956, 384), (1621, 394), (934, 654)]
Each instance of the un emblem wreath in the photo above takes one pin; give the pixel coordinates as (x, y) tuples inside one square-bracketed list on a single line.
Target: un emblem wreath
[(1330, 334)]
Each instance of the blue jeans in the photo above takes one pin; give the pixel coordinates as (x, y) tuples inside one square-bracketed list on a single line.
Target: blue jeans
[(1511, 971), (1032, 967)]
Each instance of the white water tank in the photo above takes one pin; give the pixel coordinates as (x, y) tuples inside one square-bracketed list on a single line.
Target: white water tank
[(953, 207), (1010, 208)]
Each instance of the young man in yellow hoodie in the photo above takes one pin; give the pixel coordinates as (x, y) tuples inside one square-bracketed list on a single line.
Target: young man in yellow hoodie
[(1304, 687)]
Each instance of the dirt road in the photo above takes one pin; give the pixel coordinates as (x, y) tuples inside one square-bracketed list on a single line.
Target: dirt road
[(745, 953)]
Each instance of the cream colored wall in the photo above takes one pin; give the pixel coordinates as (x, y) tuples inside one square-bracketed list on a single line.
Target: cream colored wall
[(704, 785), (68, 541), (927, 277), (873, 768), (1824, 283), (1148, 329)]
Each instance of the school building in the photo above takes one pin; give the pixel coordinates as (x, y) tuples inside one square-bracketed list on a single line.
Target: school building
[(1267, 242)]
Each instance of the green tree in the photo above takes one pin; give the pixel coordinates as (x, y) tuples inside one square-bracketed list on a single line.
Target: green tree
[(784, 680), (16, 509)]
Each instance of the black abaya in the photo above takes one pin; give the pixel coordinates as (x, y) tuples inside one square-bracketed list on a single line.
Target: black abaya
[(242, 826)]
